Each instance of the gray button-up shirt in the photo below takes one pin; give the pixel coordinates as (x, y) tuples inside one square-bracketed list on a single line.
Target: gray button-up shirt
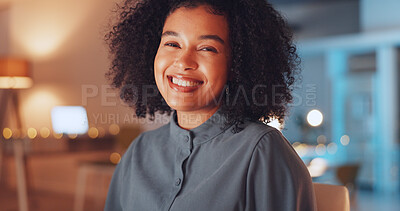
[(211, 168)]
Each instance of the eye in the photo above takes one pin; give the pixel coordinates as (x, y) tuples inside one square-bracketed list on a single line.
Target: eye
[(172, 44), (211, 49)]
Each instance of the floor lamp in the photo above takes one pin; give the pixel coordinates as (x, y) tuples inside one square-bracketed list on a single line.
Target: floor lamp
[(15, 75)]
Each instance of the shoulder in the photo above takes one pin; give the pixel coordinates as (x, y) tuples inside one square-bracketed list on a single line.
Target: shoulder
[(265, 140), (263, 134), (276, 174), (251, 127), (272, 146)]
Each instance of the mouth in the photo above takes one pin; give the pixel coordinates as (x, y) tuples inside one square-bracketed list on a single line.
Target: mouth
[(183, 84)]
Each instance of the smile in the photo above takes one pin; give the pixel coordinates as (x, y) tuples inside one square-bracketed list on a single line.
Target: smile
[(184, 84)]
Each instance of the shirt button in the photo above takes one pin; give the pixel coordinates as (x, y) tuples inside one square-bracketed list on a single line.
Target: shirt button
[(187, 139), (177, 181)]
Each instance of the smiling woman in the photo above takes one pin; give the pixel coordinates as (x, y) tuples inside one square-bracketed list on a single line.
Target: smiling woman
[(224, 68), (191, 65)]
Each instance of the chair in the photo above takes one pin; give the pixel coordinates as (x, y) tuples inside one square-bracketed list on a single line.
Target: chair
[(331, 197), (347, 176)]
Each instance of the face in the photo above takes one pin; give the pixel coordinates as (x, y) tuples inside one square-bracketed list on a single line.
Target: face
[(191, 64)]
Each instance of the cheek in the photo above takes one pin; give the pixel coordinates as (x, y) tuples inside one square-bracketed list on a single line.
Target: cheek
[(217, 77), (158, 70), (159, 63), (219, 71)]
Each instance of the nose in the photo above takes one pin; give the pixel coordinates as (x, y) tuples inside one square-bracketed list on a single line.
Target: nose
[(186, 61)]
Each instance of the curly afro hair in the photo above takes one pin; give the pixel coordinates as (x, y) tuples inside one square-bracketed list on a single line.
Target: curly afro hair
[(263, 68)]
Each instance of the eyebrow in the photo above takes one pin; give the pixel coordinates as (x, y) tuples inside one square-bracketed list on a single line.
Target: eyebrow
[(202, 37)]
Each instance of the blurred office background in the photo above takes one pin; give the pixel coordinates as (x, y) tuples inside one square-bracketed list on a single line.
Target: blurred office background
[(344, 120)]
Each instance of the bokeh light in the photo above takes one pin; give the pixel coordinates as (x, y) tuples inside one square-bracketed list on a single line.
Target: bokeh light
[(7, 133), (32, 133), (115, 157), (317, 167), (315, 118), (320, 149), (44, 132), (93, 132), (113, 129), (321, 139), (345, 140), (58, 135), (72, 136), (301, 149), (296, 144)]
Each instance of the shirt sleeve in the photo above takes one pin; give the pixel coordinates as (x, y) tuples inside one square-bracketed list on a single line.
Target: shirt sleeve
[(277, 179)]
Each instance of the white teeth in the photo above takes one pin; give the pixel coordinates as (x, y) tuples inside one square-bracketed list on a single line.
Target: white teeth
[(174, 80), (184, 83)]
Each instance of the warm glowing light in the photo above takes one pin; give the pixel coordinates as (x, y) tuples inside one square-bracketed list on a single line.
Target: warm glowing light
[(320, 149), (332, 148), (276, 124), (32, 133), (35, 110), (49, 24), (58, 135), (315, 118), (72, 136), (296, 144), (301, 149), (7, 133), (115, 157), (113, 129), (321, 139), (93, 132), (44, 132), (14, 73), (345, 140), (15, 82), (317, 167), (102, 132)]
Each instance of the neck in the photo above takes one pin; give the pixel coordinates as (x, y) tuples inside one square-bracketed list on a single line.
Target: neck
[(191, 119)]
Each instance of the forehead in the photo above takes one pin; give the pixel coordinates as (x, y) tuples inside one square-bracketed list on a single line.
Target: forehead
[(198, 20)]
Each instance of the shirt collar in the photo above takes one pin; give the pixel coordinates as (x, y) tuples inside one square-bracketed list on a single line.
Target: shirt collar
[(214, 126)]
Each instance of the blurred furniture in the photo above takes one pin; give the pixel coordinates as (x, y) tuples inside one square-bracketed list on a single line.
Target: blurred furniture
[(85, 143), (102, 169), (331, 197), (347, 176), (14, 75)]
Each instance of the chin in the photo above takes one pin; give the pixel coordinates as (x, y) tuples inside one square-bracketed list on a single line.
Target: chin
[(180, 106)]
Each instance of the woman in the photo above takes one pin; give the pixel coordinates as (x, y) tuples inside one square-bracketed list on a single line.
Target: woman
[(222, 68)]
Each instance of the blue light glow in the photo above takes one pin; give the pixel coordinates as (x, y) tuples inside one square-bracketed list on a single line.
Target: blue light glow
[(69, 119)]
